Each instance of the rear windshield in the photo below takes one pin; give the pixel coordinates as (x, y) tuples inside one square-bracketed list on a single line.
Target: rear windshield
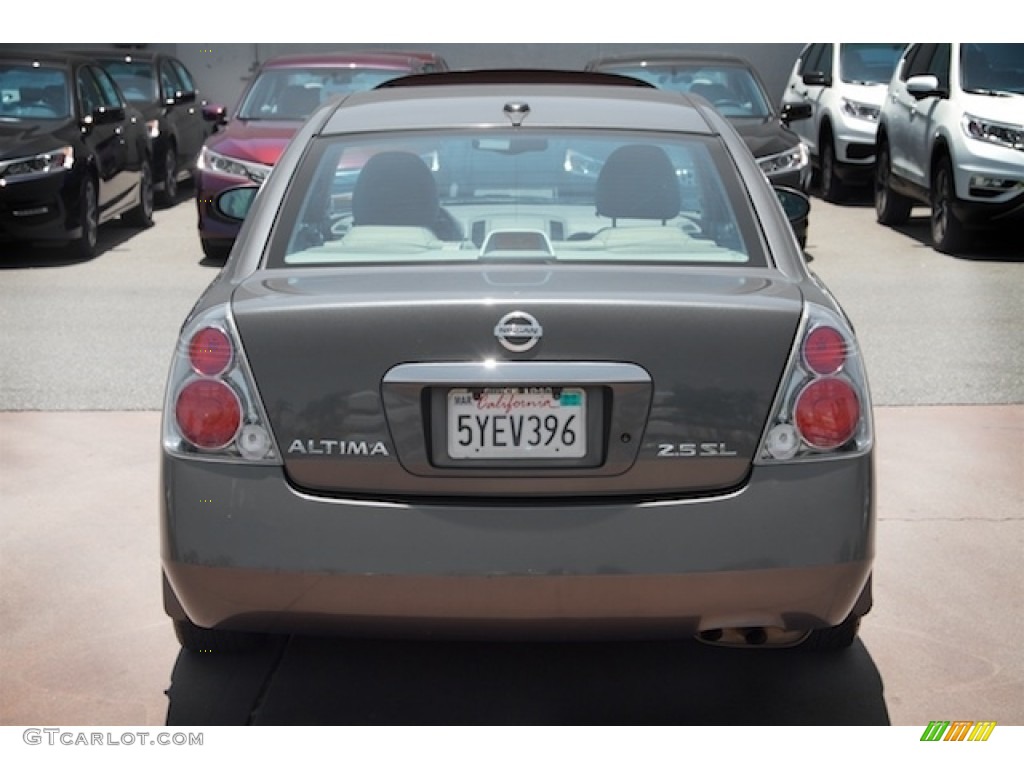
[(516, 195)]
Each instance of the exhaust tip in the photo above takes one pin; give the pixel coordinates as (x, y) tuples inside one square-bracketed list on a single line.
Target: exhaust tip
[(755, 636), (752, 637)]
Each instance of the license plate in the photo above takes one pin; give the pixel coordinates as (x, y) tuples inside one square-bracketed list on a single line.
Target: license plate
[(517, 423)]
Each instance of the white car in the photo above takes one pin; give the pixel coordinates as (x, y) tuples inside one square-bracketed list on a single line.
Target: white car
[(951, 136), (844, 83)]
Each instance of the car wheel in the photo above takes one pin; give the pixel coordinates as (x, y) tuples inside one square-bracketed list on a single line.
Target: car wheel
[(89, 220), (169, 177), (142, 214), (215, 250), (831, 186), (891, 208), (833, 638), (948, 234), (202, 640)]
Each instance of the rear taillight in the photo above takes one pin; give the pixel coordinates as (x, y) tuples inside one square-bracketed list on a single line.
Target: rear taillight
[(827, 412), (208, 413), (212, 410), (210, 351), (823, 407), (824, 350)]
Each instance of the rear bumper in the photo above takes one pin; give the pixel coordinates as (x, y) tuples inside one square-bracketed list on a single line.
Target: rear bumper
[(242, 550)]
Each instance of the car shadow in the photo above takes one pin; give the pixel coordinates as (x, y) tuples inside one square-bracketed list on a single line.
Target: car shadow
[(27, 255), (999, 244), (326, 681), (986, 245)]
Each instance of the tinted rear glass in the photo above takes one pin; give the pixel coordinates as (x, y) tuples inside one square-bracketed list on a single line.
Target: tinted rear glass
[(535, 195)]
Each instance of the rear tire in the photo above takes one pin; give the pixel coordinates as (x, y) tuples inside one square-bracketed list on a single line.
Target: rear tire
[(141, 215), (215, 250), (168, 170), (948, 234), (202, 640), (89, 220), (891, 208), (833, 638), (832, 188)]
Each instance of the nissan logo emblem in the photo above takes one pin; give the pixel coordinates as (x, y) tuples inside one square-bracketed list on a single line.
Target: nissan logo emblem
[(518, 331)]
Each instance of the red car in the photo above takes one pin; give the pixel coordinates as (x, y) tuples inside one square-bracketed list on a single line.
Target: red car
[(284, 92)]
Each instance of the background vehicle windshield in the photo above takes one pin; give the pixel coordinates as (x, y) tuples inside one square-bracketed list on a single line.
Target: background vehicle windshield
[(732, 89), (992, 67), (868, 63), (135, 78), (515, 196), (294, 93), (34, 93)]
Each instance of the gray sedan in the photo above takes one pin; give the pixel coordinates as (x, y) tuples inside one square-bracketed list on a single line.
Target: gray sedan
[(522, 357)]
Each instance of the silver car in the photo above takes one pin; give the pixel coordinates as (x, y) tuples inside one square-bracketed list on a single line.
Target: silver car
[(517, 355)]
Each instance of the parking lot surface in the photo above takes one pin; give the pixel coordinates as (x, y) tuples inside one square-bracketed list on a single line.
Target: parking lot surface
[(84, 640)]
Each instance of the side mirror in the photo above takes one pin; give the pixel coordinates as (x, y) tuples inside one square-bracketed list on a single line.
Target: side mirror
[(923, 86), (796, 111), (795, 203), (797, 207), (215, 113), (234, 203), (106, 115), (817, 78)]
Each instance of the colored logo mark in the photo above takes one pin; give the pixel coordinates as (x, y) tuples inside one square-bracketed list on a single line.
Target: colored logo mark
[(958, 730)]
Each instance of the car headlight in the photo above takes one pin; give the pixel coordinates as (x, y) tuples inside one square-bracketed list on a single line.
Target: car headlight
[(793, 159), (218, 163), (56, 160), (860, 111), (1003, 134)]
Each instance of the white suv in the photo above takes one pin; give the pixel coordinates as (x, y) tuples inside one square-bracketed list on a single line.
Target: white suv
[(844, 83), (951, 135)]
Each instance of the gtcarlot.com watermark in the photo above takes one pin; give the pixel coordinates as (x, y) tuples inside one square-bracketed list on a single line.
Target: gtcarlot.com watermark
[(71, 738)]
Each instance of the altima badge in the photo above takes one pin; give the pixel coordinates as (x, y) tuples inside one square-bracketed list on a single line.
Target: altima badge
[(518, 331)]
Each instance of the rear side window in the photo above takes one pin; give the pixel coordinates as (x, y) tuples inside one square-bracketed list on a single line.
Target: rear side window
[(184, 76), (809, 58), (170, 85), (531, 196), (109, 95)]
